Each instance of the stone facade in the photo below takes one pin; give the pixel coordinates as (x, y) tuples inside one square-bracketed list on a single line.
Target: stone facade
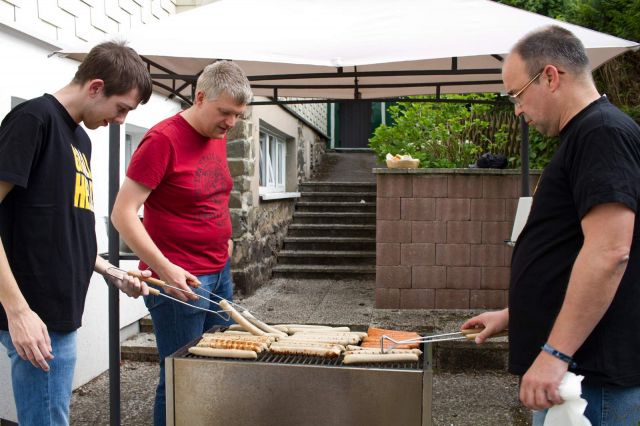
[(440, 237), (259, 226)]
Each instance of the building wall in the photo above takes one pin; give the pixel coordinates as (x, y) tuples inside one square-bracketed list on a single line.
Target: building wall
[(440, 237), (30, 31)]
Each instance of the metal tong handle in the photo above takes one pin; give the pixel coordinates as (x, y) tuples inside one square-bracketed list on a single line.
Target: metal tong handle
[(466, 334), (159, 283)]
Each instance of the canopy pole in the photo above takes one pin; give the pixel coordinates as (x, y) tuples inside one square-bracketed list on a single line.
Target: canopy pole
[(524, 156), (114, 259)]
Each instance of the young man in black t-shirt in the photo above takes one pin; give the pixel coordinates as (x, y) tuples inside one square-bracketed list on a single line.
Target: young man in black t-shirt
[(48, 249), (575, 270)]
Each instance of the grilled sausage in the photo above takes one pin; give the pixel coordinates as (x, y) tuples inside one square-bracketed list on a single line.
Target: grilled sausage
[(302, 350), (378, 358), (223, 353), (238, 318), (261, 325)]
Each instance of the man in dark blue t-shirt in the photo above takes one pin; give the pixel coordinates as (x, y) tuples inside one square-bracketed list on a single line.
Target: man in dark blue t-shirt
[(575, 270), (48, 249)]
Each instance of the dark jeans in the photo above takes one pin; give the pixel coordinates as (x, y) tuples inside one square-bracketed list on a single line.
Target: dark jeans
[(175, 325)]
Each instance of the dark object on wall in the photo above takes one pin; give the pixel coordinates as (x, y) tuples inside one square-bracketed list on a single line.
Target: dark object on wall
[(491, 161)]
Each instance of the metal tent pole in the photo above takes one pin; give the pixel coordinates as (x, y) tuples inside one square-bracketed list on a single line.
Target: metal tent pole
[(524, 156), (114, 259)]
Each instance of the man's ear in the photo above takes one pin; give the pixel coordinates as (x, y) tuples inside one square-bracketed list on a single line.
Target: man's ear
[(95, 87), (200, 98)]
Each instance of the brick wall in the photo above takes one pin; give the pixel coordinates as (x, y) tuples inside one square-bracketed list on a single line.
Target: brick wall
[(441, 235)]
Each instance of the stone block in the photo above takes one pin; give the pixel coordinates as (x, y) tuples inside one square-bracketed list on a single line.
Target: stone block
[(502, 186), (418, 208), (430, 186), (488, 209), (387, 298), (393, 231), (452, 209), (394, 186), (464, 277), (393, 277), (453, 254), (235, 200), (496, 232), (452, 299), (419, 254), (388, 208), (487, 299), (428, 232), (488, 255), (388, 254), (240, 167), (464, 186), (238, 222), (239, 148), (460, 232), (495, 278), (417, 298), (428, 276), (241, 131)]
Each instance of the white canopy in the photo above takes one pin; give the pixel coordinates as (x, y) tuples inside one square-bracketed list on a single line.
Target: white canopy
[(347, 49)]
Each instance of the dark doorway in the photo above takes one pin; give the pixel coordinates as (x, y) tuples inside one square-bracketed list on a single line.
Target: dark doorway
[(355, 124)]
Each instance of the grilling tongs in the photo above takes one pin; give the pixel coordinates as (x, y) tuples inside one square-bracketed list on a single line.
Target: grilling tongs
[(159, 283), (467, 334)]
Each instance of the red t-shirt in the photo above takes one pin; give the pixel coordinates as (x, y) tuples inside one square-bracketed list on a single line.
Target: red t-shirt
[(187, 212)]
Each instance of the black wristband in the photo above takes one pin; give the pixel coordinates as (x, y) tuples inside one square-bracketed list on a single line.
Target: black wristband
[(561, 356)]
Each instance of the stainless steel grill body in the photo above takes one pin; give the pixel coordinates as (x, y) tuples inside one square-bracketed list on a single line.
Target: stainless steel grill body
[(296, 391)]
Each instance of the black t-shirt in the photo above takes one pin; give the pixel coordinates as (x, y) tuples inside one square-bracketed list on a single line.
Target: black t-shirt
[(47, 223), (597, 162)]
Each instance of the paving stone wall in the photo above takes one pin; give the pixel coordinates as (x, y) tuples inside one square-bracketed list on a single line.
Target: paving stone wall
[(440, 237)]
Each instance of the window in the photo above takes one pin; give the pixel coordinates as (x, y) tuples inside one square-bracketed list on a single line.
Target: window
[(272, 163), (132, 137)]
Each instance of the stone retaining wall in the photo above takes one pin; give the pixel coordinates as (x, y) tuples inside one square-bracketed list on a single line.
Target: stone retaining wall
[(440, 237)]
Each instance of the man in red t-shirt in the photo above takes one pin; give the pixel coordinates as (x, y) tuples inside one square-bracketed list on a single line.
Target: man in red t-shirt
[(180, 173)]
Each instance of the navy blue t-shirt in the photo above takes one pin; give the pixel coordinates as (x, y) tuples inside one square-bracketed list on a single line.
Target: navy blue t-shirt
[(597, 162), (47, 223)]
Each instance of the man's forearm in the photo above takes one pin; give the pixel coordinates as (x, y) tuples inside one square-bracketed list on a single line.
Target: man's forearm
[(11, 297), (593, 284)]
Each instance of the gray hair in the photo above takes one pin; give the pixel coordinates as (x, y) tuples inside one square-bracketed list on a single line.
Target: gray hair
[(553, 45), (227, 77)]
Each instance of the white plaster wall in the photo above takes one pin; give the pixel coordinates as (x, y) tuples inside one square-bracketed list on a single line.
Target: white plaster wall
[(27, 72)]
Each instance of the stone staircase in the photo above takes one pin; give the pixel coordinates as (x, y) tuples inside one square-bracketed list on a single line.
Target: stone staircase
[(333, 233)]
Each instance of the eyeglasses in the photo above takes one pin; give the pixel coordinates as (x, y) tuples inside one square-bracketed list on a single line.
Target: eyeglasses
[(514, 98)]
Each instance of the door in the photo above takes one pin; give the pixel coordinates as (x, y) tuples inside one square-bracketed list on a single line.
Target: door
[(355, 124)]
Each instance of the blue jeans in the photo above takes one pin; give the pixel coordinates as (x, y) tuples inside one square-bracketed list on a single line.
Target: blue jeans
[(606, 406), (175, 325), (43, 398)]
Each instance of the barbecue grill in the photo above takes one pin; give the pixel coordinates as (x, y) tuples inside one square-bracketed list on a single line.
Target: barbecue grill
[(296, 390)]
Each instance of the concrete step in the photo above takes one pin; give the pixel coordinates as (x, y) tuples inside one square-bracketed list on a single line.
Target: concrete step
[(352, 197), (320, 206), (319, 257), (335, 272), (337, 187), (141, 347), (330, 243), (146, 325), (334, 217), (331, 230)]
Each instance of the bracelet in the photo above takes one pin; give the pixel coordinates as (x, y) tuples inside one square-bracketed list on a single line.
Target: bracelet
[(561, 356)]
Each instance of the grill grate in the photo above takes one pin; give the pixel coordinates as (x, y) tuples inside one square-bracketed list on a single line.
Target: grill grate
[(267, 357)]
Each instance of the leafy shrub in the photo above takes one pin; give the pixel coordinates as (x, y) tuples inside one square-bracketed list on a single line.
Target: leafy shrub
[(440, 134)]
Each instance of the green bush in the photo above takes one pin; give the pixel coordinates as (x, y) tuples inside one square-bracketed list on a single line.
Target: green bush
[(440, 134)]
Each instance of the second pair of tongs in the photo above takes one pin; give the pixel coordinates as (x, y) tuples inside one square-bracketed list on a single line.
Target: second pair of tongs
[(467, 334), (159, 283)]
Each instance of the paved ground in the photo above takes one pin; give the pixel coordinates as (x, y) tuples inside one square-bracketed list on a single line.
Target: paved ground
[(468, 390), (353, 166)]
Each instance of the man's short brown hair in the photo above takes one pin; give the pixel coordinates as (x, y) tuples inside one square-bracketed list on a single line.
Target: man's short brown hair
[(119, 66)]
